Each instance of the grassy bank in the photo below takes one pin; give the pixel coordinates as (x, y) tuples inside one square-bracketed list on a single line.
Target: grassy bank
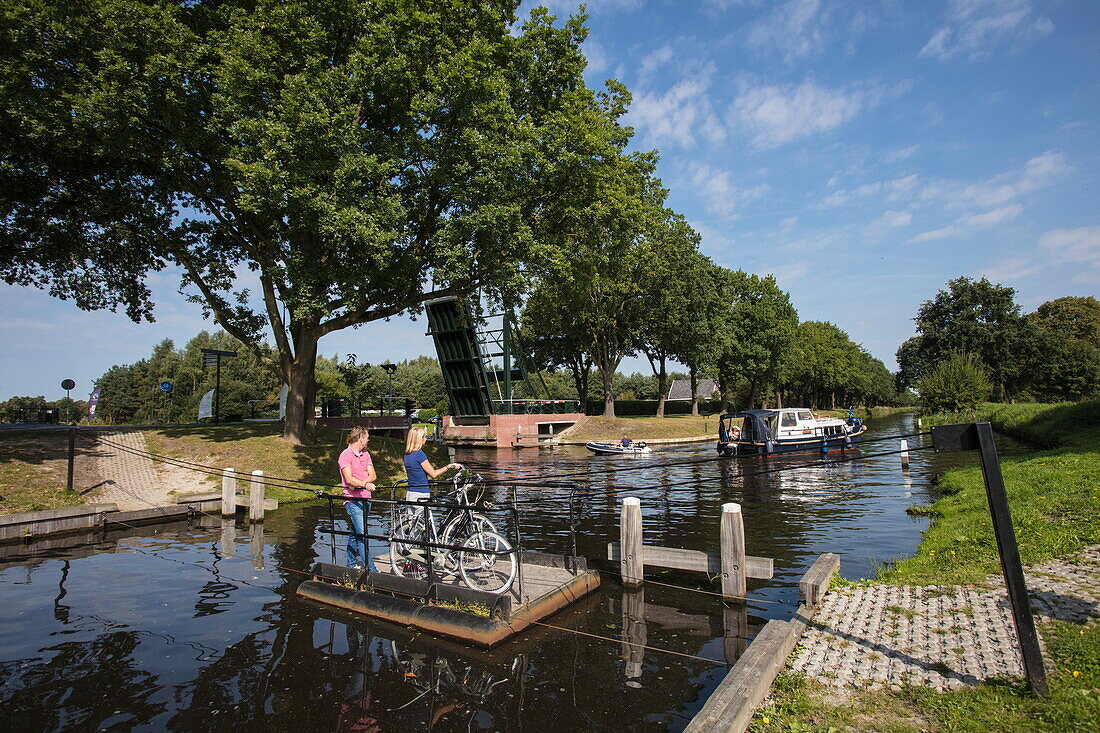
[(1054, 496), (251, 447), (33, 471), (640, 428)]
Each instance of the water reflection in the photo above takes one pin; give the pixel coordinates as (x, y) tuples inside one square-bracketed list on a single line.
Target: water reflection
[(197, 626)]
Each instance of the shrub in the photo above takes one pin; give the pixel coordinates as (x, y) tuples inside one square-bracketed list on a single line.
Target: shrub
[(956, 384)]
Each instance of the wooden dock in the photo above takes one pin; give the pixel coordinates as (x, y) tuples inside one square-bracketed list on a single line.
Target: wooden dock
[(549, 583)]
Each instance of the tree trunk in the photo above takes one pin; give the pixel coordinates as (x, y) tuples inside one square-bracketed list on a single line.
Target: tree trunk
[(778, 399), (302, 390), (662, 388), (608, 375), (752, 394), (694, 388)]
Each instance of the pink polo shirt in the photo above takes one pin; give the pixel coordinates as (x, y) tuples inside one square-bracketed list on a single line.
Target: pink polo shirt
[(358, 462)]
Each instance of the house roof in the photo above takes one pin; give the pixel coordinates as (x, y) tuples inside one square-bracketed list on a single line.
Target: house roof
[(681, 389)]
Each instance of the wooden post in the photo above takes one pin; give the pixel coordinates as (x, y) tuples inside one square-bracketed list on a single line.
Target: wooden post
[(256, 497), (635, 635), (733, 551), (630, 541), (229, 492), (256, 545), (735, 631), (905, 454), (228, 542)]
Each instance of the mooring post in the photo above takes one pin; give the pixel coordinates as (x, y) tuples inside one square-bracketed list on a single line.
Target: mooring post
[(256, 545), (733, 551), (905, 454), (72, 456), (630, 541), (229, 492), (635, 635), (256, 497), (735, 631), (228, 543)]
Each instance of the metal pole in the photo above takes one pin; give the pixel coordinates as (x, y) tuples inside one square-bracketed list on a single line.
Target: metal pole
[(72, 456), (507, 364), (1011, 566), (218, 391)]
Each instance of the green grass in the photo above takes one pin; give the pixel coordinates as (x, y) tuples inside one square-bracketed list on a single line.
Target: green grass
[(1073, 703), (250, 447), (33, 471), (1054, 497), (595, 427)]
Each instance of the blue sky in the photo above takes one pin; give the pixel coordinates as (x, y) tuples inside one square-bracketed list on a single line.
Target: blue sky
[(864, 153)]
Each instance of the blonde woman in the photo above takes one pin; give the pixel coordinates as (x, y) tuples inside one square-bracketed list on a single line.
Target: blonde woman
[(418, 468), (357, 475)]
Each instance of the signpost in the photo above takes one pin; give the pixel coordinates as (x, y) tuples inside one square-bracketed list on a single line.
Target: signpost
[(389, 369), (213, 357), (67, 384)]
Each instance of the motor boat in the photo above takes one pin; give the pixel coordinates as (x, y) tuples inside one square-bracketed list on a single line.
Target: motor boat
[(786, 430)]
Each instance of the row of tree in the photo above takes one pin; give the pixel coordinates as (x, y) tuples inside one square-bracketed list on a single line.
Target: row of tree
[(1050, 355), (653, 293)]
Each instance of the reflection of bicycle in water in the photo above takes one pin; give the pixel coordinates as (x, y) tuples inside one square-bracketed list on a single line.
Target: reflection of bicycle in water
[(475, 550), (465, 686)]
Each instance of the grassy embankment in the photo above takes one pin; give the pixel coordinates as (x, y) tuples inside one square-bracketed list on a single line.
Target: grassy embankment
[(33, 471), (599, 428), (247, 448), (1054, 502)]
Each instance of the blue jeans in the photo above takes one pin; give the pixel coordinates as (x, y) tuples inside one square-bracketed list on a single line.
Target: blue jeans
[(358, 550)]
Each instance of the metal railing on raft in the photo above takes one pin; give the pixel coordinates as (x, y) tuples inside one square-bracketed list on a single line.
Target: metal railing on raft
[(427, 546)]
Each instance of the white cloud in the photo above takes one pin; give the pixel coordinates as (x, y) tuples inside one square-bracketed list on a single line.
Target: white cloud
[(970, 222), (680, 114), (775, 115), (723, 197), (892, 190), (1080, 245), (1011, 269), (889, 220), (794, 29), (973, 27), (901, 154), (598, 60), (1039, 172), (654, 60)]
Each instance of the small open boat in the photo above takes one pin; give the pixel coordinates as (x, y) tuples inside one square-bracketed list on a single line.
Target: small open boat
[(797, 430), (616, 448)]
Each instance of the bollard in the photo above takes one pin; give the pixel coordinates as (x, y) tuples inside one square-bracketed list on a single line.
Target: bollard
[(256, 497), (905, 454), (630, 541), (228, 542), (733, 551), (256, 545), (229, 492)]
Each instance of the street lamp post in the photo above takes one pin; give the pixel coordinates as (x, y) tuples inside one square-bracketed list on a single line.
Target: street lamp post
[(390, 369)]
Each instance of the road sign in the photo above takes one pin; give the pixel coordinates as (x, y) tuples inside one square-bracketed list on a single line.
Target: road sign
[(68, 384), (165, 386)]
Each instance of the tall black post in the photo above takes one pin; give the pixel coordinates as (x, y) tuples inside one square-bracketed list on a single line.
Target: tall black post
[(1011, 566), (72, 457), (218, 390)]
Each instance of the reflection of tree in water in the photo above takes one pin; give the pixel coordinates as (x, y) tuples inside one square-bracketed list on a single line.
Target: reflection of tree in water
[(82, 685)]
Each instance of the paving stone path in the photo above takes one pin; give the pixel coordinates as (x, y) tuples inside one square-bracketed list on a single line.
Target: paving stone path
[(944, 637), (110, 474)]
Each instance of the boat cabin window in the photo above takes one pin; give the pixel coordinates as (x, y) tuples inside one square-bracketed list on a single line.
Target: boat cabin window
[(805, 416), (789, 420)]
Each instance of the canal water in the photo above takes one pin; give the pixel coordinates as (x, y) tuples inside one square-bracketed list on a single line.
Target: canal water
[(188, 627)]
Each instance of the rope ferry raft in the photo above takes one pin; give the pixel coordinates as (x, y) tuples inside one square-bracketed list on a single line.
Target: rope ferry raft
[(789, 430)]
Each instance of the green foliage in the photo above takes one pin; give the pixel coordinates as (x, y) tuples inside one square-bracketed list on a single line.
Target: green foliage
[(826, 368), (358, 158), (956, 384)]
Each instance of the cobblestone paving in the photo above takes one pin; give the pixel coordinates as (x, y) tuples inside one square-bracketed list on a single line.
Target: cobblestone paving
[(944, 637), (130, 481)]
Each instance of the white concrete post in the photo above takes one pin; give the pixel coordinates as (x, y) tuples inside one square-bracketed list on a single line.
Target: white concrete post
[(905, 454), (256, 497)]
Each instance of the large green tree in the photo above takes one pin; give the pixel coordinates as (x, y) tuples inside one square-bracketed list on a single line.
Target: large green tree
[(758, 330), (348, 160), (976, 317)]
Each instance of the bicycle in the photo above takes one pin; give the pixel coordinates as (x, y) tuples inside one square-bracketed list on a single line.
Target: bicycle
[(475, 550)]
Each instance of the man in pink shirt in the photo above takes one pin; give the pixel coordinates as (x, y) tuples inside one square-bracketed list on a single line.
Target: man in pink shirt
[(357, 475)]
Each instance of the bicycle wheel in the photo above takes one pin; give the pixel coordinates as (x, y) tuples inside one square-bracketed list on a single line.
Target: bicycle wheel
[(407, 559), (488, 563), (465, 526)]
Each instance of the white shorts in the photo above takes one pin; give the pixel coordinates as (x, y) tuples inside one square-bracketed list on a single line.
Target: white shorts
[(417, 496)]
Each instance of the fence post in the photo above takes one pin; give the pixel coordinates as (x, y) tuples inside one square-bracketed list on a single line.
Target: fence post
[(229, 492), (630, 541), (904, 453), (256, 497), (733, 551)]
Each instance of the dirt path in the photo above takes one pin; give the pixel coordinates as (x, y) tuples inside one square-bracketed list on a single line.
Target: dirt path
[(112, 474)]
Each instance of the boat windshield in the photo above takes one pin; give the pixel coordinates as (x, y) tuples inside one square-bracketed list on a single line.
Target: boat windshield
[(789, 420), (805, 416)]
